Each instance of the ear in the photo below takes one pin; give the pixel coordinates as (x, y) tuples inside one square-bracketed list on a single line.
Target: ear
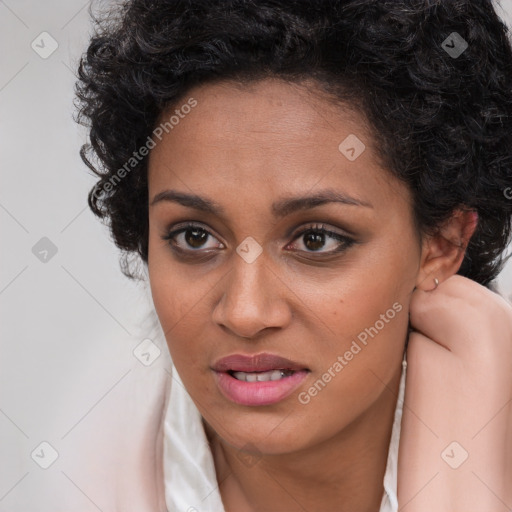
[(442, 253)]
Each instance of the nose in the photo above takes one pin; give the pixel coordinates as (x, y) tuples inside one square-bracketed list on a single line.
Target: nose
[(254, 298)]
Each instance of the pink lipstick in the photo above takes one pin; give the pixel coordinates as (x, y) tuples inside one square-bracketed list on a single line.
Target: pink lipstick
[(260, 379)]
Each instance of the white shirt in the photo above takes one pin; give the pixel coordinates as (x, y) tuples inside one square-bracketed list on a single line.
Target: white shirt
[(189, 472)]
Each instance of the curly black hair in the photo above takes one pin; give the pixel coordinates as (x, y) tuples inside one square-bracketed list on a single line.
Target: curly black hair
[(432, 77)]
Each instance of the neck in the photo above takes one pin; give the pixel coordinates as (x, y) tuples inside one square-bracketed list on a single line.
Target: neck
[(344, 473)]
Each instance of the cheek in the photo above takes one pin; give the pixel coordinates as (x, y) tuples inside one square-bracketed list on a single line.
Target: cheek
[(171, 290), (367, 286), (359, 365), (178, 314), (366, 311), (175, 302)]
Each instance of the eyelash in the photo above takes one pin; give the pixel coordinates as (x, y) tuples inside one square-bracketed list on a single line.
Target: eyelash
[(345, 241)]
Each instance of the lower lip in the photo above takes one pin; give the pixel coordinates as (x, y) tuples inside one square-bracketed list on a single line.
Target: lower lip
[(258, 393)]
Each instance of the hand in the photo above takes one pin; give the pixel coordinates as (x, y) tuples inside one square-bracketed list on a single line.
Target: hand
[(456, 422)]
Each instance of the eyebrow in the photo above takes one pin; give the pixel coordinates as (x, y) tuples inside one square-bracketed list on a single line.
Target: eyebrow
[(280, 208)]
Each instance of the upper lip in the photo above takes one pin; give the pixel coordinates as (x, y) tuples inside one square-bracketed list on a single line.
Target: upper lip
[(255, 363)]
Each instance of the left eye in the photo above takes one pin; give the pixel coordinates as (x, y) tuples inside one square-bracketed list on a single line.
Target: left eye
[(314, 238)]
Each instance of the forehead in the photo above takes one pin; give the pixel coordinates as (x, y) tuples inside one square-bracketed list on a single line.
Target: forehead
[(267, 137)]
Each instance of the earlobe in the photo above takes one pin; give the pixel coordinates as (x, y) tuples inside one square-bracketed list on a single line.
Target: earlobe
[(443, 253)]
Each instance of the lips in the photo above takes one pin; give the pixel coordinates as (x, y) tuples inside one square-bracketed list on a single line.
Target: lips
[(256, 363), (261, 379)]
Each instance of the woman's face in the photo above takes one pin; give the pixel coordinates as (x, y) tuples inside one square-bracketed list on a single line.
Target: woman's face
[(251, 169)]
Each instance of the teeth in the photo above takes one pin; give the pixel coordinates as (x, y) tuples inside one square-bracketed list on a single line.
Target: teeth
[(261, 376)]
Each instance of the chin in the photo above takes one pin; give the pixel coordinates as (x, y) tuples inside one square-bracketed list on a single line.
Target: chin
[(268, 434)]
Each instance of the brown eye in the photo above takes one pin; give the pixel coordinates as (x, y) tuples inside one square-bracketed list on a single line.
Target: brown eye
[(316, 237), (195, 237), (190, 237), (314, 240)]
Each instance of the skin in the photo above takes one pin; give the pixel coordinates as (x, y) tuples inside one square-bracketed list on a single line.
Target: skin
[(457, 416), (245, 148)]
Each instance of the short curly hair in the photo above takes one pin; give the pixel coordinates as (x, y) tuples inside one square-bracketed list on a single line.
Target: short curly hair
[(441, 119)]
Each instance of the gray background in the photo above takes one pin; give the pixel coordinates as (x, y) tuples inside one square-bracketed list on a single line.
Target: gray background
[(69, 325)]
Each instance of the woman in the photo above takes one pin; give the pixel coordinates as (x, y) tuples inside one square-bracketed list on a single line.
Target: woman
[(317, 190)]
